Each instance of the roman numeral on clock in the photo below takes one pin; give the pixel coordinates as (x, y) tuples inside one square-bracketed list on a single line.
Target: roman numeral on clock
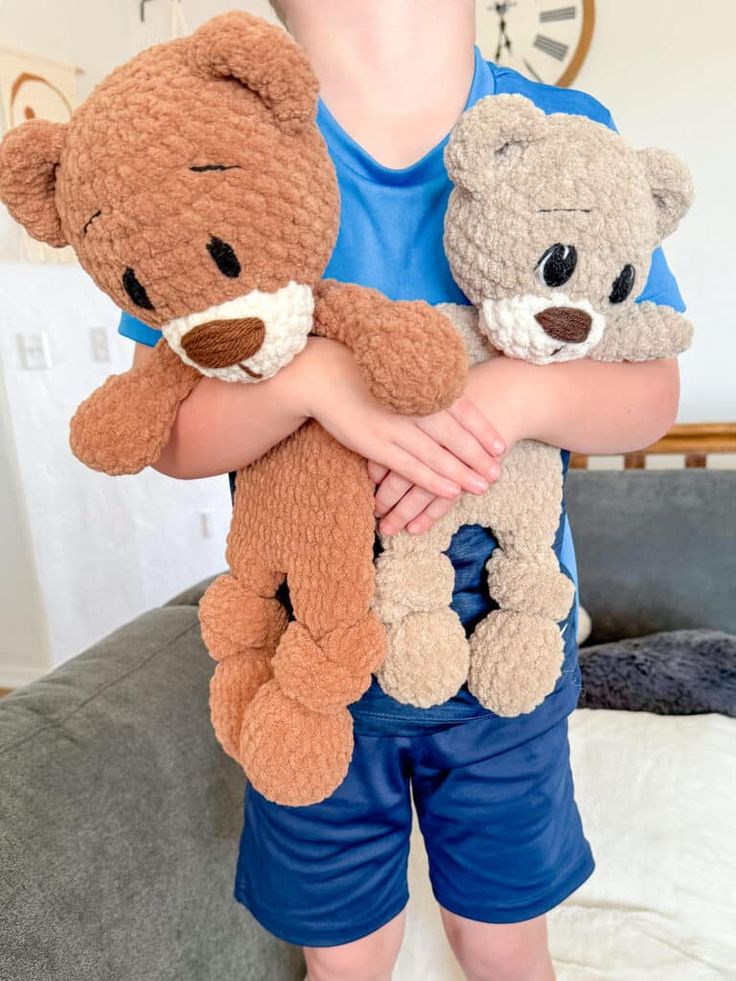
[(562, 13), (553, 48)]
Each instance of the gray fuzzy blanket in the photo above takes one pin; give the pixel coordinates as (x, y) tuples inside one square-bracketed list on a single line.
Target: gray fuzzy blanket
[(681, 672)]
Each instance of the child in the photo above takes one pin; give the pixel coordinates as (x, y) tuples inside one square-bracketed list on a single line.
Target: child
[(494, 796)]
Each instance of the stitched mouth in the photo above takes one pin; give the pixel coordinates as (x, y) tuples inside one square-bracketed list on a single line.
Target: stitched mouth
[(248, 371), (557, 350)]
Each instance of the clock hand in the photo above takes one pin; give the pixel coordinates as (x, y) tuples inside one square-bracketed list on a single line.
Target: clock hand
[(504, 41)]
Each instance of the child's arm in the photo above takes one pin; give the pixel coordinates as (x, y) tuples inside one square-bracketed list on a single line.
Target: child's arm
[(584, 406), (223, 426)]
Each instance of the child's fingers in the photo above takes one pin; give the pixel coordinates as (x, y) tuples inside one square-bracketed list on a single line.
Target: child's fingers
[(435, 456), (462, 443), (376, 471), (437, 508), (392, 489), (471, 418), (416, 471), (412, 504)]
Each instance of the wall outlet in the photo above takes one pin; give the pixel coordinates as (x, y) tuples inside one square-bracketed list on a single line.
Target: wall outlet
[(99, 343), (34, 352)]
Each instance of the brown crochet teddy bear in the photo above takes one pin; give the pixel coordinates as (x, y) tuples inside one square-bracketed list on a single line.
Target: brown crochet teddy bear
[(198, 193), (549, 232)]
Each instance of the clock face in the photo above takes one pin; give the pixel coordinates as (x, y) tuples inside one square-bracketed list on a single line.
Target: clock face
[(546, 40)]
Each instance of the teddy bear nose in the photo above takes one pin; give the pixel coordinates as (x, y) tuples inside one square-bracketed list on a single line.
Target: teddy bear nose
[(565, 324), (221, 343)]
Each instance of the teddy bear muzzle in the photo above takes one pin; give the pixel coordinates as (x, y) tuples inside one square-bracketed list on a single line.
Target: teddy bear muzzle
[(221, 343), (567, 324), (248, 338), (542, 329)]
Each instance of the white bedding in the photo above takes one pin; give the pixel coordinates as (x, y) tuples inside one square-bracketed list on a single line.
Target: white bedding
[(658, 799)]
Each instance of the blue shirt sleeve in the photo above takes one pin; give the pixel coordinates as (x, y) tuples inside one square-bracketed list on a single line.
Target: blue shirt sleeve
[(137, 331), (661, 286)]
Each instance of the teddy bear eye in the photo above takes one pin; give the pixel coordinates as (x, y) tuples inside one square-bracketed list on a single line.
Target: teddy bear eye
[(557, 265), (135, 290), (206, 168), (224, 257), (623, 284)]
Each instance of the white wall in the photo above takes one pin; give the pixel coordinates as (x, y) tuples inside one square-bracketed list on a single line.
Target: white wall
[(667, 71), (103, 549), (24, 642), (80, 553)]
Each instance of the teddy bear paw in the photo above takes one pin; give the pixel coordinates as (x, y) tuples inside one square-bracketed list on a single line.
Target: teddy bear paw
[(515, 660), (291, 755), (428, 659)]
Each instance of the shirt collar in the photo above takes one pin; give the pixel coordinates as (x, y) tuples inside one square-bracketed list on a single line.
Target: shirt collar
[(344, 148)]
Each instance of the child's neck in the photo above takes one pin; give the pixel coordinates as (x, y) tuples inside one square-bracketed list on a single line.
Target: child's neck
[(394, 74)]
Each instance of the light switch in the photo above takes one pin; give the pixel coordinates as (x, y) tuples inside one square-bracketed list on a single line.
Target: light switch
[(100, 344), (34, 352)]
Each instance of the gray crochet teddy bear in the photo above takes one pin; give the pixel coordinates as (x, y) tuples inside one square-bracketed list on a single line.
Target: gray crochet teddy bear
[(549, 232)]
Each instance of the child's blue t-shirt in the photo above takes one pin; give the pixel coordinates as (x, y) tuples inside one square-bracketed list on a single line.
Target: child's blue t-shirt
[(390, 238)]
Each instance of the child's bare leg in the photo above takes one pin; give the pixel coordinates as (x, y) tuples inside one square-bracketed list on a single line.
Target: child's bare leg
[(371, 958), (500, 952)]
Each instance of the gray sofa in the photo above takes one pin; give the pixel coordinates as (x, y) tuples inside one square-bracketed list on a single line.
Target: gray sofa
[(120, 816)]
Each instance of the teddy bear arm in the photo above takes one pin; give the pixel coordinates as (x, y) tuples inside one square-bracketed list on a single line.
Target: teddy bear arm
[(124, 425), (645, 332), (411, 356)]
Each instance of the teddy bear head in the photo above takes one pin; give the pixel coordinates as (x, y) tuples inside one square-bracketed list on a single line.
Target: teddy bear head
[(552, 222), (197, 192)]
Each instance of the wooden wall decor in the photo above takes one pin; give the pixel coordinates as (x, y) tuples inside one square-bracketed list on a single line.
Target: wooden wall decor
[(34, 87)]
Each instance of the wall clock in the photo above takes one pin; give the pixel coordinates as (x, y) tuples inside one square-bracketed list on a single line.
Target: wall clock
[(546, 40)]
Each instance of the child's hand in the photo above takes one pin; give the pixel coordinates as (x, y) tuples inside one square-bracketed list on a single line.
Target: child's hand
[(417, 510), (442, 455), (400, 503)]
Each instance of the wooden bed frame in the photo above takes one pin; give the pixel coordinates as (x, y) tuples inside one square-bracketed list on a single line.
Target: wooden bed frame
[(695, 441)]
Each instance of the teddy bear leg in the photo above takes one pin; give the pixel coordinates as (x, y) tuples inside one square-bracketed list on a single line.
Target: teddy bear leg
[(517, 651), (297, 736), (240, 630), (428, 655), (530, 581)]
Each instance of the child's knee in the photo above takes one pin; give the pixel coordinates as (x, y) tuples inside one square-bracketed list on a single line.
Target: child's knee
[(500, 952), (371, 958), (344, 964)]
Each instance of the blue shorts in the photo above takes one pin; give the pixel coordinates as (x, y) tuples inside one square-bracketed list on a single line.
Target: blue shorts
[(498, 816)]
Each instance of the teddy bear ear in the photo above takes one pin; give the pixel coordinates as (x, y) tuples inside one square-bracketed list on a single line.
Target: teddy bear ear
[(29, 157), (486, 133), (264, 59), (672, 187)]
